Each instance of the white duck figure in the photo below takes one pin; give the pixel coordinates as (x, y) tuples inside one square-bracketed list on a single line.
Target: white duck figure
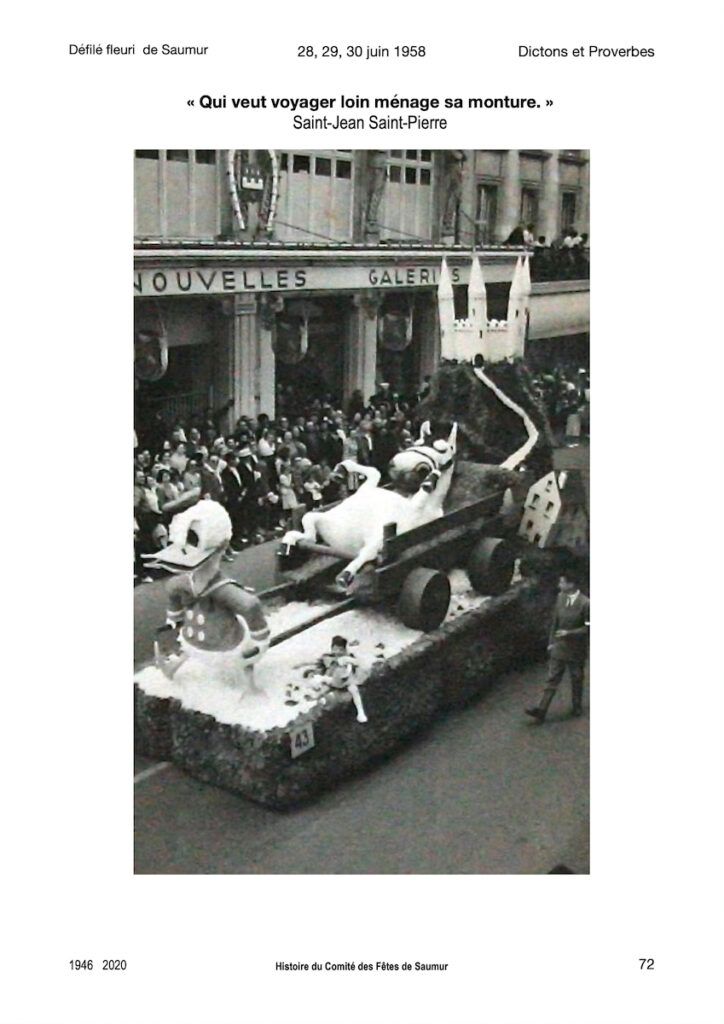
[(216, 628)]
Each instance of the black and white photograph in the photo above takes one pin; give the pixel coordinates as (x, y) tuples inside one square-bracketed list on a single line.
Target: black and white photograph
[(361, 511), (336, 739)]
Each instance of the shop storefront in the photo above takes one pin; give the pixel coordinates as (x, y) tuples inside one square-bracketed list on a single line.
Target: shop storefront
[(245, 327), (309, 343), (186, 335)]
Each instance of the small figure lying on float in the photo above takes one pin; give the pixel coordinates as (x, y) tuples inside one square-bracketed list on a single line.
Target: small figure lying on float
[(211, 619), (336, 670)]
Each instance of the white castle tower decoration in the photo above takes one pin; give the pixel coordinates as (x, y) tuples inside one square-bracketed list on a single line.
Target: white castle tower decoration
[(495, 340)]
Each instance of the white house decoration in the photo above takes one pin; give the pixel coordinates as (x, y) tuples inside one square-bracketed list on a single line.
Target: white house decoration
[(555, 512)]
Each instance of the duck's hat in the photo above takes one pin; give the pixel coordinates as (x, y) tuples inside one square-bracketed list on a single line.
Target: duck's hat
[(195, 535)]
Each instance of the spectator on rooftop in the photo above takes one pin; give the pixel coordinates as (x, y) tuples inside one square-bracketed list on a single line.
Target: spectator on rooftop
[(571, 239)]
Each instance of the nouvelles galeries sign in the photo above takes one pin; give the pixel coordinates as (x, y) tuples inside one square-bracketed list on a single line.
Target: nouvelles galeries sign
[(217, 280)]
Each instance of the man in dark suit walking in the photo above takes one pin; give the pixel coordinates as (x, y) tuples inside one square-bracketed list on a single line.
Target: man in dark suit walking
[(235, 480), (567, 647), (365, 445)]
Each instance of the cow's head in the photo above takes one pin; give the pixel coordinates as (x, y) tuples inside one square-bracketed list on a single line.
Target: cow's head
[(444, 448), (409, 469)]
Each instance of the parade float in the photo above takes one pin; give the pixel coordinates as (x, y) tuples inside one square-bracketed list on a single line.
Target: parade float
[(396, 604)]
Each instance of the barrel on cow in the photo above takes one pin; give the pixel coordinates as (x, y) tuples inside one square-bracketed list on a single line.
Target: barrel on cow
[(424, 599), (490, 565)]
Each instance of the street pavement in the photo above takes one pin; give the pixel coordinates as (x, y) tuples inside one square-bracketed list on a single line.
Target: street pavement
[(484, 790)]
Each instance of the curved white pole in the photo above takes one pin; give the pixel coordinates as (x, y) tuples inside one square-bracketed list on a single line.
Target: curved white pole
[(233, 191), (274, 192), (522, 453)]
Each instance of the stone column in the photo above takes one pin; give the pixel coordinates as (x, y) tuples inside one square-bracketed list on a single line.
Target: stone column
[(270, 306), (551, 203), (509, 211), (468, 201), (375, 181), (583, 218), (267, 373), (426, 309), (455, 160), (360, 356), (220, 361), (242, 354)]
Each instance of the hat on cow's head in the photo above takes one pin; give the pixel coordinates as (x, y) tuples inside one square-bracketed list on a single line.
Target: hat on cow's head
[(195, 535)]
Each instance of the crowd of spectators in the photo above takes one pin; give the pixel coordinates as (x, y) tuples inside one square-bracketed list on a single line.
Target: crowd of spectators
[(263, 469), (560, 259), (565, 391)]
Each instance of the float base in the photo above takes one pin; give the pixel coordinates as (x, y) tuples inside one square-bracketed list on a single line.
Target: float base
[(406, 693)]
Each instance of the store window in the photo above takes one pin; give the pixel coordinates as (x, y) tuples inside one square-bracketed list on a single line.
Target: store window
[(323, 166), (407, 204), (529, 208), (568, 211), (315, 196), (176, 193), (486, 213), (314, 369)]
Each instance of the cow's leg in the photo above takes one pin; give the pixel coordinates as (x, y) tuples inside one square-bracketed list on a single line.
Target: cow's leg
[(308, 532), (250, 687), (309, 524), (357, 698), (426, 497), (368, 553), (370, 474), (424, 506)]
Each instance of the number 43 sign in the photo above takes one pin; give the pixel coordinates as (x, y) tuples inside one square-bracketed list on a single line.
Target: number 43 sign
[(301, 739)]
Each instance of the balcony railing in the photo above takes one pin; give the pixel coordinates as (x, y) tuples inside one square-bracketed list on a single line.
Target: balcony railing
[(560, 264)]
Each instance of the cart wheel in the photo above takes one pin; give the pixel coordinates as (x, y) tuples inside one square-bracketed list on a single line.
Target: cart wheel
[(491, 565), (424, 599)]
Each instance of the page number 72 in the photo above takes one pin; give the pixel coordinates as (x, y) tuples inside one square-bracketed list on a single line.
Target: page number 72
[(646, 964)]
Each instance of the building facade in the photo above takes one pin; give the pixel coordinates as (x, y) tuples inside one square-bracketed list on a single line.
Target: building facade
[(261, 270)]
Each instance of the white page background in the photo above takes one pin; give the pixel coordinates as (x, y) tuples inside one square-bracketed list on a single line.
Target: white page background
[(522, 950)]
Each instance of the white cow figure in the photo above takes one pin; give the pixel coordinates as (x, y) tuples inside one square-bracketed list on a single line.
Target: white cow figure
[(355, 527)]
